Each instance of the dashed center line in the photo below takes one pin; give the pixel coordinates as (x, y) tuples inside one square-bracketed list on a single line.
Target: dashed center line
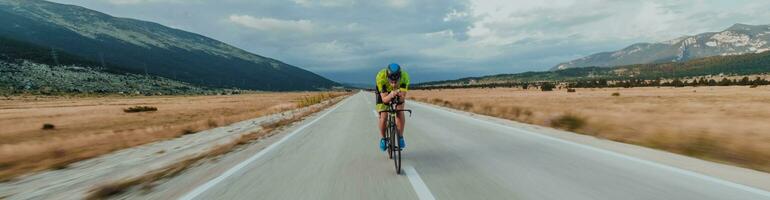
[(423, 193)]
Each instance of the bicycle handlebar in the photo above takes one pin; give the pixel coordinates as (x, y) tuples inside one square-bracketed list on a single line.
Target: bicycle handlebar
[(398, 110), (393, 102)]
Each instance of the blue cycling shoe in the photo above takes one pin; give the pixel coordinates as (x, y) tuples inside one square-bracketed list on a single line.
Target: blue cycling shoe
[(401, 142), (383, 144)]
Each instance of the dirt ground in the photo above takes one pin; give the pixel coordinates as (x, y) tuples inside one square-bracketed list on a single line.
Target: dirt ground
[(724, 124), (84, 127)]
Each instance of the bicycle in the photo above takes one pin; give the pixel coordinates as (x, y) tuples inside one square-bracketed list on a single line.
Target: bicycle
[(391, 133)]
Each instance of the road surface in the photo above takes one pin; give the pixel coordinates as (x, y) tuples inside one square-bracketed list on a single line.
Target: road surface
[(449, 156)]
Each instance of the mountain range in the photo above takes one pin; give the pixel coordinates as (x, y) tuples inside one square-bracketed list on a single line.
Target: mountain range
[(714, 66), (735, 40), (141, 47)]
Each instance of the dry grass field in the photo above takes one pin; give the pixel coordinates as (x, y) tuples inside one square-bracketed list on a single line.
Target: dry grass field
[(724, 124), (50, 132)]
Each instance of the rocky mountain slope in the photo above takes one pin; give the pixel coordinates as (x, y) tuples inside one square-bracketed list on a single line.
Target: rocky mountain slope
[(736, 40), (141, 47), (732, 65)]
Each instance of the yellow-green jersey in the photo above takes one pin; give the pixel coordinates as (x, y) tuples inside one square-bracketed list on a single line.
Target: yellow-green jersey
[(383, 86)]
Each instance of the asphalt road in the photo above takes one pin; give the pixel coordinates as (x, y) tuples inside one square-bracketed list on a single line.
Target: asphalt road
[(449, 156)]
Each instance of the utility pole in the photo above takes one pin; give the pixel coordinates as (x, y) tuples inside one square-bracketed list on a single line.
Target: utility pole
[(101, 57), (55, 56), (673, 72)]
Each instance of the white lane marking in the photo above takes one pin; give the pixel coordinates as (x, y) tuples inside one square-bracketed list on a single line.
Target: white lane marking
[(423, 193), (623, 156), (202, 188)]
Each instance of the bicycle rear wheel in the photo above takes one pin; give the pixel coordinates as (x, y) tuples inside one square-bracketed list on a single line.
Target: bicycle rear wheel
[(390, 148)]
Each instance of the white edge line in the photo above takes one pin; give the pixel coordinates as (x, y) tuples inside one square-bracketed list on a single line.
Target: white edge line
[(623, 156), (423, 193), (202, 188)]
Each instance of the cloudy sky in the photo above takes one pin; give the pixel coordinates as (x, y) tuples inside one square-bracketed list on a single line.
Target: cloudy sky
[(349, 40)]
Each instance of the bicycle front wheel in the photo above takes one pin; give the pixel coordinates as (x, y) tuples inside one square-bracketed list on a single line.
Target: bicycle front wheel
[(396, 150)]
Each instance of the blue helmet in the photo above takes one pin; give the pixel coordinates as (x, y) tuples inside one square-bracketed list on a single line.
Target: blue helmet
[(394, 71)]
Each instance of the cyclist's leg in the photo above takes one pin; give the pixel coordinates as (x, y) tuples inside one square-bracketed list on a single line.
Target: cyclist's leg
[(400, 120), (381, 125), (383, 117)]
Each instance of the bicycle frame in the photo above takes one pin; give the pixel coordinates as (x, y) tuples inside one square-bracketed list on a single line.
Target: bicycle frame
[(391, 133)]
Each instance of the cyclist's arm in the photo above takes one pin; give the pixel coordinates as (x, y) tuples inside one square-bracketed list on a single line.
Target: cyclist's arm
[(404, 87), (402, 96), (389, 96)]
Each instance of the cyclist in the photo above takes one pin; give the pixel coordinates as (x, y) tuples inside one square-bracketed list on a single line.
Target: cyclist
[(391, 82)]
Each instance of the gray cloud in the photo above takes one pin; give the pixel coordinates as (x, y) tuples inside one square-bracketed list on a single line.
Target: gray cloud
[(349, 40)]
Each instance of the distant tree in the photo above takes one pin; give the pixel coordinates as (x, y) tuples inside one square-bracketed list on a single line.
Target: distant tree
[(725, 82), (677, 83), (712, 82), (695, 82), (702, 81), (547, 86), (759, 81), (602, 83), (744, 81), (655, 82)]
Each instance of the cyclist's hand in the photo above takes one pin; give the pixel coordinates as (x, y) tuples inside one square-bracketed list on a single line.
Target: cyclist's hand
[(394, 92)]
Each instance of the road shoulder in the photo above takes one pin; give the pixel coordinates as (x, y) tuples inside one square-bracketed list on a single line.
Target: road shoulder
[(81, 178), (730, 174), (192, 178)]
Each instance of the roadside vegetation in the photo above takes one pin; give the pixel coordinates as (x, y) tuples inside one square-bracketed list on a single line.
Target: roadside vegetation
[(50, 132), (751, 81), (714, 70), (140, 109), (315, 99), (147, 181), (723, 124), (29, 78)]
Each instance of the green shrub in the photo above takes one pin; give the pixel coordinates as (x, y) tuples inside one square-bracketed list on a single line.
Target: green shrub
[(436, 101), (466, 106), (547, 87), (701, 145), (213, 123), (47, 126), (140, 109), (569, 122), (188, 131), (314, 99)]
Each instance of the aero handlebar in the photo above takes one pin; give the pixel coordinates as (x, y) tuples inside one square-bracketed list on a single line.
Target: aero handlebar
[(395, 101), (399, 110)]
